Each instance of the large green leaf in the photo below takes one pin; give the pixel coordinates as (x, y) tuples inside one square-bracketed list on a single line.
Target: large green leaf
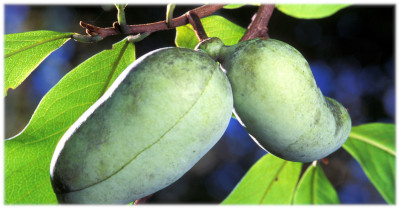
[(270, 180), (215, 26), (310, 11), (28, 155), (373, 146), (23, 52), (315, 188)]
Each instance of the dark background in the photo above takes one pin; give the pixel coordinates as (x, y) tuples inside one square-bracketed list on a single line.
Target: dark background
[(350, 53)]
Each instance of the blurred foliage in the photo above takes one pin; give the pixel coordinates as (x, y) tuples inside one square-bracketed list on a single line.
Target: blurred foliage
[(310, 11)]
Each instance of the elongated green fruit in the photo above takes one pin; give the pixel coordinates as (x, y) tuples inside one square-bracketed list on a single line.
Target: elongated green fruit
[(277, 99), (160, 116)]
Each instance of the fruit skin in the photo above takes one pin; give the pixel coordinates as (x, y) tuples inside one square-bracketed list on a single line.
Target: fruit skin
[(160, 116), (278, 102)]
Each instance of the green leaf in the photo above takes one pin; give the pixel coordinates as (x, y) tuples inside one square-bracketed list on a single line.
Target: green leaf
[(25, 51), (315, 188), (270, 180), (237, 6), (310, 11), (233, 6), (373, 146), (215, 26), (28, 155)]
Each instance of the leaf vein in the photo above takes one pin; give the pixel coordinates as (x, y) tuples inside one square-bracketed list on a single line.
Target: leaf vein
[(272, 182), (371, 142), (36, 44)]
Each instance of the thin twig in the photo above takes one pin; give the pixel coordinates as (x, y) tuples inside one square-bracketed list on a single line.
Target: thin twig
[(201, 12), (170, 12), (121, 16), (258, 26)]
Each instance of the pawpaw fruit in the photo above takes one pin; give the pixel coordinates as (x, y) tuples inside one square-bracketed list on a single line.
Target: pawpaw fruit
[(278, 101), (159, 117)]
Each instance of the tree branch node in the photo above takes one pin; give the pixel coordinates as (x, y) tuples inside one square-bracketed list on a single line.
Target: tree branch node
[(201, 12)]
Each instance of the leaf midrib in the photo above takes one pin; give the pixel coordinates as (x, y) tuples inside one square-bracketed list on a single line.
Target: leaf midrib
[(273, 181), (110, 75), (313, 184), (37, 44), (371, 142)]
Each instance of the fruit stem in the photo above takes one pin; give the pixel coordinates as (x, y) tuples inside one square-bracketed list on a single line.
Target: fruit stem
[(198, 28), (258, 26)]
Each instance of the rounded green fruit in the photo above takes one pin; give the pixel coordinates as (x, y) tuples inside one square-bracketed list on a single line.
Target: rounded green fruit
[(277, 100), (160, 116)]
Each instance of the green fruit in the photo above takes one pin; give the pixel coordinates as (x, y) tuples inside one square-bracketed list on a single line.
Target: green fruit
[(277, 99), (161, 115)]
